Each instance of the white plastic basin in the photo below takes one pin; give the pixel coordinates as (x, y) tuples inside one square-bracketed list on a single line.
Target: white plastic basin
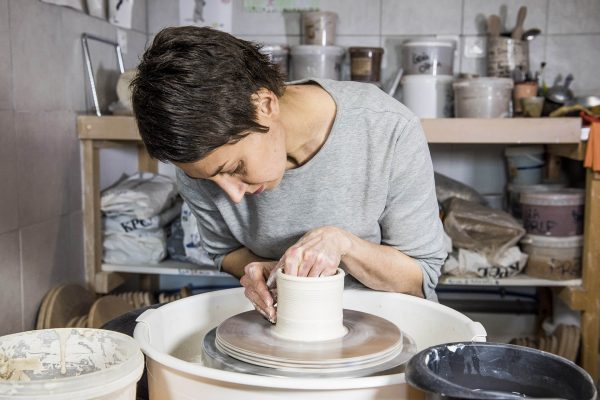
[(171, 337)]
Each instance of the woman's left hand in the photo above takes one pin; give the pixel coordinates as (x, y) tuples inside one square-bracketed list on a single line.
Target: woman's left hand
[(317, 253)]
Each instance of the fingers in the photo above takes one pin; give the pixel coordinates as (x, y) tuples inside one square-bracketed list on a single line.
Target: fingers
[(256, 290)]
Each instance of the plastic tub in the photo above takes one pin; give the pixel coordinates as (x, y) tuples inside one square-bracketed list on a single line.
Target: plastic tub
[(319, 27), (278, 54), (553, 257), (483, 98), (496, 371), (428, 57), (309, 61), (172, 335), (69, 363), (556, 213), (428, 96), (365, 64), (525, 164), (514, 194)]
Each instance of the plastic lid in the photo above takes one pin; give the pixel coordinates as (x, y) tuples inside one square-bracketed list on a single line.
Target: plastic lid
[(500, 83), (540, 187), (314, 49), (274, 48), (425, 77), (365, 49), (562, 197), (553, 241), (524, 150), (428, 43)]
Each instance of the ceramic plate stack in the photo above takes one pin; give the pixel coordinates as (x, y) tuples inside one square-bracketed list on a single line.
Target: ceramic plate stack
[(372, 344)]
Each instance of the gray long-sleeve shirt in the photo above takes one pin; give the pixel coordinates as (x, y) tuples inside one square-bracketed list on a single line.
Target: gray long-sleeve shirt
[(372, 177)]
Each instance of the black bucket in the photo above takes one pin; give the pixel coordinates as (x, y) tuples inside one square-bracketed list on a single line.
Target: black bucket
[(479, 370)]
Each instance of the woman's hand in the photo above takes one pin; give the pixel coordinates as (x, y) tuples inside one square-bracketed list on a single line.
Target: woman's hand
[(317, 253), (254, 281)]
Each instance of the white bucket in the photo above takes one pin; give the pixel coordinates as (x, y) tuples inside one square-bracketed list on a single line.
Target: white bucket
[(428, 96), (69, 363), (525, 164), (171, 337), (312, 61)]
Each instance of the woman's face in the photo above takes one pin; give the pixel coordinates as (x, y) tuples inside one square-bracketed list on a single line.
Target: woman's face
[(250, 166)]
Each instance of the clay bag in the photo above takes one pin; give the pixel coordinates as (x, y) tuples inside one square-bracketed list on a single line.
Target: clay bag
[(473, 226), (446, 188)]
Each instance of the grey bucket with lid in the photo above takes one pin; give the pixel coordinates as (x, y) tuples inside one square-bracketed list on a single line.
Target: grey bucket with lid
[(469, 370)]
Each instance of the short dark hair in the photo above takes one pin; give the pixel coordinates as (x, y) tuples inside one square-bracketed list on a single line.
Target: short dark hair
[(193, 92)]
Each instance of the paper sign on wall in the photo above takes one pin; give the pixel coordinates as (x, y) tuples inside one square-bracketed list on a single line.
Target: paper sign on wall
[(217, 14), (280, 5)]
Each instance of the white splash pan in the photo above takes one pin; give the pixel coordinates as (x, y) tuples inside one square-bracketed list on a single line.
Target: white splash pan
[(171, 337)]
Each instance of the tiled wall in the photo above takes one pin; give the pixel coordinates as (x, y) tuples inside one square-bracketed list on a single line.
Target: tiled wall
[(42, 87)]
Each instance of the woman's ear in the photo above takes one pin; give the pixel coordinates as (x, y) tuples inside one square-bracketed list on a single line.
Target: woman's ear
[(267, 104)]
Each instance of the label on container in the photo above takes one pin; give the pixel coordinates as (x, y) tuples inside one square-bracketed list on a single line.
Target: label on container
[(361, 66)]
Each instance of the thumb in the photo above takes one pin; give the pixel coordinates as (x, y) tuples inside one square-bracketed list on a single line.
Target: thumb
[(272, 281)]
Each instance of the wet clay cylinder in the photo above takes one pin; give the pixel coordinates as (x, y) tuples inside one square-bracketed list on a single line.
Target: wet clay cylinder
[(310, 309)]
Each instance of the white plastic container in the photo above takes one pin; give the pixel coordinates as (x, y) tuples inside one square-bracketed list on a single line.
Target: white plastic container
[(311, 61), (557, 258), (172, 336), (554, 213), (279, 55), (428, 96), (483, 97), (428, 57), (514, 194), (319, 27), (525, 164), (69, 363)]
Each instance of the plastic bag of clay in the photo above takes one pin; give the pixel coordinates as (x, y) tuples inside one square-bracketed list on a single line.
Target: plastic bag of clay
[(473, 226), (175, 248), (192, 241), (139, 247), (446, 188), (467, 263), (129, 223), (142, 195)]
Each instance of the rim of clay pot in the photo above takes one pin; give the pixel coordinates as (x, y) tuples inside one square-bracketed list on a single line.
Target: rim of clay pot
[(338, 275)]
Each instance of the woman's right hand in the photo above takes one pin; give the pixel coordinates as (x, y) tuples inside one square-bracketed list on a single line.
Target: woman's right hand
[(256, 275)]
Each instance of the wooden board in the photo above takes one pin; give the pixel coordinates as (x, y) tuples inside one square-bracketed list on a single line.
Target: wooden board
[(68, 301), (105, 309)]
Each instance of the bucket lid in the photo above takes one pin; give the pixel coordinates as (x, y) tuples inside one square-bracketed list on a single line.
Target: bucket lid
[(424, 77), (428, 43), (561, 197), (366, 49), (539, 187), (553, 241), (274, 48), (315, 49), (486, 81), (524, 150)]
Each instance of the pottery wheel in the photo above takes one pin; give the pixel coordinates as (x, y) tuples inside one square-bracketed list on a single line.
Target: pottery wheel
[(372, 344)]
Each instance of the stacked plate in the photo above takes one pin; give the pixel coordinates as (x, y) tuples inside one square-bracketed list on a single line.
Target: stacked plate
[(372, 344)]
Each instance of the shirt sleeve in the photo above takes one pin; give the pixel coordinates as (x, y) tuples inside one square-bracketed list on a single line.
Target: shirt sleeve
[(217, 239), (410, 221)]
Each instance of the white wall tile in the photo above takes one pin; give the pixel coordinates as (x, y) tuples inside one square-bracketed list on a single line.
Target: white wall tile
[(6, 92), (11, 320), (272, 39), (45, 143), (425, 17), (45, 263), (355, 17), (38, 59), (139, 20), (576, 54), (574, 16), (8, 173), (263, 23), (162, 14), (477, 11)]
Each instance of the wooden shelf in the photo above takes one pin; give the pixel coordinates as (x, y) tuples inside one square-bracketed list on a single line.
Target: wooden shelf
[(167, 267), (517, 280), (438, 130)]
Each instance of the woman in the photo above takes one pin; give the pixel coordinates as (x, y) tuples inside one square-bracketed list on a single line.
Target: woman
[(306, 176)]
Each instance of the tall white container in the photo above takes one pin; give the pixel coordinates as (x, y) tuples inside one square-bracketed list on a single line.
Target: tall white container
[(428, 96)]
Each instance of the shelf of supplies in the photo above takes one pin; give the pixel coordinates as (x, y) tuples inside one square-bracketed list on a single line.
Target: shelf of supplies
[(503, 130), (517, 280), (437, 130), (167, 267)]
